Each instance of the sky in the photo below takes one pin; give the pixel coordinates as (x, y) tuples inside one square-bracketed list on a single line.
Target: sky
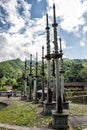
[(23, 23)]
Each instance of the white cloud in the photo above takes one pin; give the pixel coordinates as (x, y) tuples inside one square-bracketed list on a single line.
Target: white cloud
[(71, 13), (16, 20), (85, 29), (39, 0), (14, 44), (82, 43)]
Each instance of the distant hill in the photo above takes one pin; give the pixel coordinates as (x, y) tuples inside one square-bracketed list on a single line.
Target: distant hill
[(75, 70), (11, 68)]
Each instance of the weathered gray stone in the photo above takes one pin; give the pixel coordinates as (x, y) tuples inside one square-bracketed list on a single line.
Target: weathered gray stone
[(65, 105), (48, 107), (60, 120), (23, 97)]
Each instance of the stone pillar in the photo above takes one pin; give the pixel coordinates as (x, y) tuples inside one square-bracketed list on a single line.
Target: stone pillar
[(24, 96), (48, 106), (60, 118), (43, 96), (35, 98), (30, 77), (56, 57), (64, 102), (48, 58), (54, 86)]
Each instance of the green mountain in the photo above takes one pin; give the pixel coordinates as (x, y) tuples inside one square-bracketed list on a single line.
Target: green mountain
[(11, 68), (11, 71)]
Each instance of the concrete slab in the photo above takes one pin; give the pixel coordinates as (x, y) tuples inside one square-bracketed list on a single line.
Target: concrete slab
[(78, 120), (14, 127)]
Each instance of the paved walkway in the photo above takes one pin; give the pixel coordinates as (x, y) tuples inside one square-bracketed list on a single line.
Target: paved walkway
[(14, 127), (79, 121)]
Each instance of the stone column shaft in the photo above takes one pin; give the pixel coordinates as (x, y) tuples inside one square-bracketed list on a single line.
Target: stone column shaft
[(35, 78), (57, 74), (30, 76), (48, 58), (43, 98), (25, 79)]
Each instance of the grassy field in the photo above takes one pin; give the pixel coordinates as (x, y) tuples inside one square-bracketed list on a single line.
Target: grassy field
[(27, 114)]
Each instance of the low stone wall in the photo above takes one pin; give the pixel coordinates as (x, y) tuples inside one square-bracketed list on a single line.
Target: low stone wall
[(14, 93), (78, 99)]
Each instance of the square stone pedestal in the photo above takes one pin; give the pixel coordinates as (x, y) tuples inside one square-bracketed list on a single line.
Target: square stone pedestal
[(23, 97), (35, 101), (66, 105), (29, 100), (48, 107), (60, 120)]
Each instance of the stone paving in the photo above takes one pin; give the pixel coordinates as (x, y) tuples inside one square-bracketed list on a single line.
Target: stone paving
[(14, 127), (79, 121)]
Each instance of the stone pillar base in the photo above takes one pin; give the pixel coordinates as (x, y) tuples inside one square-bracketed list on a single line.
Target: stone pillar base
[(65, 105), (35, 101), (48, 107), (41, 103), (29, 100), (23, 97), (60, 120)]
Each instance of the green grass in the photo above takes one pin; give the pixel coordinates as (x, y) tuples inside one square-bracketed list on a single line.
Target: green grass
[(2, 106), (24, 114), (77, 109)]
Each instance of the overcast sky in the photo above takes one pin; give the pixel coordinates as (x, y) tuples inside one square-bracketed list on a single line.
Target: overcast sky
[(23, 23)]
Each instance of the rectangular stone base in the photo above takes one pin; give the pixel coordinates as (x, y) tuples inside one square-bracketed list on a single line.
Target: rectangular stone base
[(65, 105), (48, 107), (60, 120), (35, 101), (23, 97)]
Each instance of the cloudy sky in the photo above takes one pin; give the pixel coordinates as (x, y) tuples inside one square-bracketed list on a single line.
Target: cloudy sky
[(23, 23)]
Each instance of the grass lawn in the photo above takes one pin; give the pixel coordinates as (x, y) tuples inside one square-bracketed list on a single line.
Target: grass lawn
[(27, 114), (24, 114)]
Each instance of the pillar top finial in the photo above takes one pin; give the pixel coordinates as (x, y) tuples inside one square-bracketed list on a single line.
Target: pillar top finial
[(60, 45), (47, 23)]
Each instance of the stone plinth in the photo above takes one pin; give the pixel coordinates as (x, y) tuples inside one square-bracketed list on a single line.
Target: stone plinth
[(65, 105), (29, 99), (35, 101), (48, 107), (60, 120), (23, 97)]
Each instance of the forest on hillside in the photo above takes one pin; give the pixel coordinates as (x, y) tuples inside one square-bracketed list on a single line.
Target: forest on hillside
[(12, 71)]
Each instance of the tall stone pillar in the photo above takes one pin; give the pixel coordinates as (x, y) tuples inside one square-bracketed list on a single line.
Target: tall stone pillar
[(64, 102), (54, 85), (60, 118), (61, 73), (48, 58), (43, 96), (35, 98), (24, 96), (56, 57), (30, 77), (48, 106)]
